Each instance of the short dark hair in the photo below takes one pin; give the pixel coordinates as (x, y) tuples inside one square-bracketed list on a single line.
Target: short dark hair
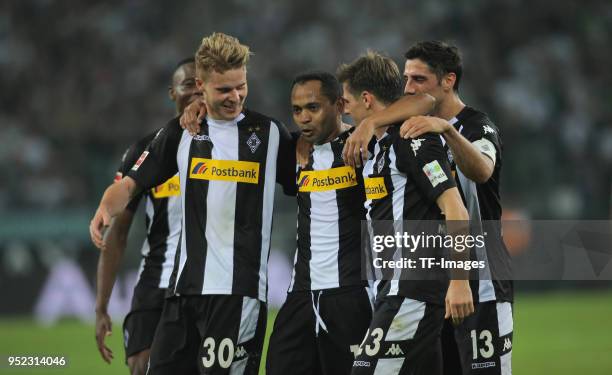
[(330, 87), (375, 73), (186, 60), (441, 57)]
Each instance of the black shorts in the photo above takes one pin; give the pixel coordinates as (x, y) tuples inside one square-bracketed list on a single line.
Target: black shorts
[(210, 334), (316, 332), (403, 338), (489, 330), (140, 323)]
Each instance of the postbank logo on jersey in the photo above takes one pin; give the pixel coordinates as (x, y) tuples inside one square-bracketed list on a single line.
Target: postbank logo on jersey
[(375, 188), (327, 179), (224, 170), (170, 188)]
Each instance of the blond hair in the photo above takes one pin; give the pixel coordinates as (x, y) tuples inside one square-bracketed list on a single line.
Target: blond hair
[(220, 52)]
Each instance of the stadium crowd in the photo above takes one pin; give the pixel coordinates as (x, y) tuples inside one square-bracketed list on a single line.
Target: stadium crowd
[(82, 80)]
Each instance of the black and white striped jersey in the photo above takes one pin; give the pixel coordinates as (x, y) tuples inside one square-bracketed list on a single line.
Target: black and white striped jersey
[(330, 209), (228, 173), (163, 220), (403, 179), (484, 206)]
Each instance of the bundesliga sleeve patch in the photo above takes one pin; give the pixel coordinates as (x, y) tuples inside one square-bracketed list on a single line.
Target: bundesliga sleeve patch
[(140, 160), (434, 173), (118, 176)]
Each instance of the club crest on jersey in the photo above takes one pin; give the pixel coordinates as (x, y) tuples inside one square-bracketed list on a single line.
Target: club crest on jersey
[(375, 188), (381, 163), (416, 144), (140, 160), (170, 188), (327, 179), (253, 142), (224, 170), (434, 173)]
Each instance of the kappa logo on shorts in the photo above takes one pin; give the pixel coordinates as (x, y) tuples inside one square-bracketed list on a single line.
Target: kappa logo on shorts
[(507, 344), (240, 352), (394, 350)]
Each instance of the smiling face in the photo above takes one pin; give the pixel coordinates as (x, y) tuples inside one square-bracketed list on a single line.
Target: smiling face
[(317, 116), (184, 90), (224, 93)]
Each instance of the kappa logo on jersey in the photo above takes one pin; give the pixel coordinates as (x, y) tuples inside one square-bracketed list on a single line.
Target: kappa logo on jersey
[(416, 144), (170, 188), (375, 188), (394, 350), (253, 142), (224, 170), (435, 173), (328, 179), (488, 129), (140, 160), (507, 344)]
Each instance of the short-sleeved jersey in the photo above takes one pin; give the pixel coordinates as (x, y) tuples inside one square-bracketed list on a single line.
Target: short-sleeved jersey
[(162, 220), (403, 179), (484, 206), (330, 209), (228, 173)]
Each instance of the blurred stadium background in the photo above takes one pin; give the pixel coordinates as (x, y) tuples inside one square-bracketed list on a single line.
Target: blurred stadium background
[(81, 80)]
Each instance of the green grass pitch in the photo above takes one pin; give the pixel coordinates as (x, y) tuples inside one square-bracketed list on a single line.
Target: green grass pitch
[(560, 333)]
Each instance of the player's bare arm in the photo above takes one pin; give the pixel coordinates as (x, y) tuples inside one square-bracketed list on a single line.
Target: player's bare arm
[(115, 199), (476, 166), (459, 301), (402, 109), (108, 264)]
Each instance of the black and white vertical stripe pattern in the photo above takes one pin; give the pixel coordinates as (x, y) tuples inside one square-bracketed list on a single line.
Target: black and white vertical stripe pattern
[(163, 219), (226, 236), (328, 239)]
